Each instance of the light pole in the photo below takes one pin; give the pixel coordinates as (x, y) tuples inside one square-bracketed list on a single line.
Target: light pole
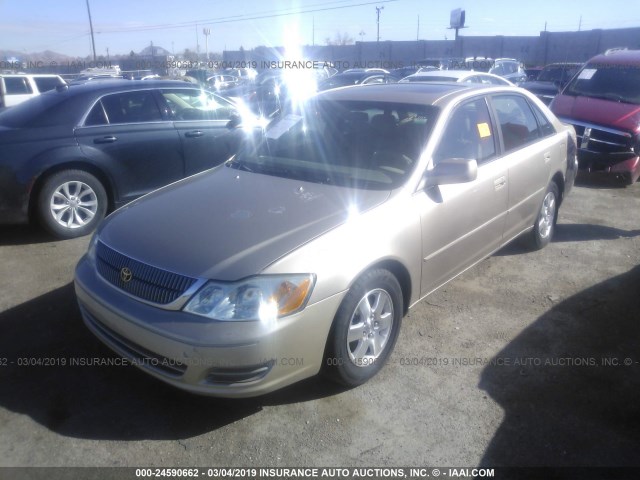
[(206, 32), (93, 42), (378, 21)]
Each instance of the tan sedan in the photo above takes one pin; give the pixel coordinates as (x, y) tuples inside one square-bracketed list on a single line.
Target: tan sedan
[(304, 252)]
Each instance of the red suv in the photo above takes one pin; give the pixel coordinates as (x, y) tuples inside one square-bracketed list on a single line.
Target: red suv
[(602, 102)]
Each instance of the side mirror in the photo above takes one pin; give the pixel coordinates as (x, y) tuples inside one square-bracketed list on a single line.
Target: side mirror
[(452, 170), (235, 121)]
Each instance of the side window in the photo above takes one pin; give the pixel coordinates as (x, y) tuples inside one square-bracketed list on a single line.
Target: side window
[(468, 134), (190, 104), (17, 86), (517, 122), (45, 84), (97, 116), (131, 107), (546, 127)]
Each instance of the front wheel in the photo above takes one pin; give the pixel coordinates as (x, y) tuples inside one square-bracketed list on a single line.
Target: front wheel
[(543, 229), (365, 329), (71, 203)]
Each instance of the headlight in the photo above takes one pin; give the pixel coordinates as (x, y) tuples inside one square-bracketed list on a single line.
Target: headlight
[(258, 298)]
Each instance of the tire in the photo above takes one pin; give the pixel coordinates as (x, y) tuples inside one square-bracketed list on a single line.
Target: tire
[(71, 203), (545, 224), (352, 363)]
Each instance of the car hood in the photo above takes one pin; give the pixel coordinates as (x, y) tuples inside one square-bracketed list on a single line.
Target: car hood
[(608, 113), (540, 87), (225, 224)]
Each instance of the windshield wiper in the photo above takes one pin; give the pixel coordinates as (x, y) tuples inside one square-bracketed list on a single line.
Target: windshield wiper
[(239, 165), (609, 96)]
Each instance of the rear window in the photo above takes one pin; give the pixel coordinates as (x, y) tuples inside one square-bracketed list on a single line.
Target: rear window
[(620, 83)]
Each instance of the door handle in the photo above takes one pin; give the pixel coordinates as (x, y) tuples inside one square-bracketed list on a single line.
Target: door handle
[(498, 183), (195, 133), (109, 139), (547, 157)]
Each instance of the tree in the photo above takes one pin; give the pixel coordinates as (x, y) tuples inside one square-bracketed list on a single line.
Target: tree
[(340, 39)]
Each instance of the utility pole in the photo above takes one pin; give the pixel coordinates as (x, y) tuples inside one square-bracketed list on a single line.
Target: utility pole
[(206, 32), (197, 44), (93, 42), (580, 23), (378, 21)]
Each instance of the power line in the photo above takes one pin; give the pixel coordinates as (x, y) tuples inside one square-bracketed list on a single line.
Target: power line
[(242, 18)]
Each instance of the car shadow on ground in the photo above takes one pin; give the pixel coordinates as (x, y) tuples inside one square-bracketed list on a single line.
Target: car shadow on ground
[(600, 181), (569, 384), (99, 401), (23, 235), (572, 232)]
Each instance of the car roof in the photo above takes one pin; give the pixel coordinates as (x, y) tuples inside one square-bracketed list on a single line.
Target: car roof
[(457, 74), (445, 73), (618, 57), (118, 84), (411, 93)]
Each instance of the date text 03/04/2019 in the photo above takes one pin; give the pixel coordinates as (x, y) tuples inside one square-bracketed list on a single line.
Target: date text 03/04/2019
[(316, 472)]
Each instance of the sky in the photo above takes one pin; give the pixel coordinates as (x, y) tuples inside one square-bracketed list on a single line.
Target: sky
[(124, 25)]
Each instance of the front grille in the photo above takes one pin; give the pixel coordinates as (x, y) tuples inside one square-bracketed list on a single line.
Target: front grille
[(146, 282), (134, 352), (603, 141)]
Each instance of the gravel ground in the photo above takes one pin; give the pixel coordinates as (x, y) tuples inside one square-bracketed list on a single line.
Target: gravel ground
[(518, 362)]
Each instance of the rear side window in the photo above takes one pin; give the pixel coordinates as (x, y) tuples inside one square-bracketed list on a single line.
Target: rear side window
[(546, 128), (97, 115), (45, 84), (17, 86), (517, 123)]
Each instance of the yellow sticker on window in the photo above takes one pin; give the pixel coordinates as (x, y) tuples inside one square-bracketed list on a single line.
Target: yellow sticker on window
[(483, 130)]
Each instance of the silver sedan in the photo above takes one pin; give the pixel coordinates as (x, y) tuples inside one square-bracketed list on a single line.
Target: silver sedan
[(303, 253)]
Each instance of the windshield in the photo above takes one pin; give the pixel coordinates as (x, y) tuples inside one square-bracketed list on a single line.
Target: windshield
[(371, 145), (557, 74), (620, 83)]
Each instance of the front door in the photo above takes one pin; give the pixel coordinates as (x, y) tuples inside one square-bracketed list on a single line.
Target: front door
[(463, 223)]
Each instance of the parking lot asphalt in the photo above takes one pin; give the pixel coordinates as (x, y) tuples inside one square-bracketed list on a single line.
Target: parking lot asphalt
[(527, 359)]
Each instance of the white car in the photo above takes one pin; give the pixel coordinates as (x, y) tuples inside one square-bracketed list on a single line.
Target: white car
[(18, 87), (464, 76)]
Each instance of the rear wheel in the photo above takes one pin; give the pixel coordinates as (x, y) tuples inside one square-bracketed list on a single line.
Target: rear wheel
[(71, 203), (365, 329), (545, 224)]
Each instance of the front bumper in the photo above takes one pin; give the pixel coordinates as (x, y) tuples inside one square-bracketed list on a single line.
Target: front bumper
[(626, 167), (225, 359)]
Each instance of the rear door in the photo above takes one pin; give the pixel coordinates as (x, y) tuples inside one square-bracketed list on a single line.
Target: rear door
[(463, 223), (527, 156), (127, 134), (202, 121)]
